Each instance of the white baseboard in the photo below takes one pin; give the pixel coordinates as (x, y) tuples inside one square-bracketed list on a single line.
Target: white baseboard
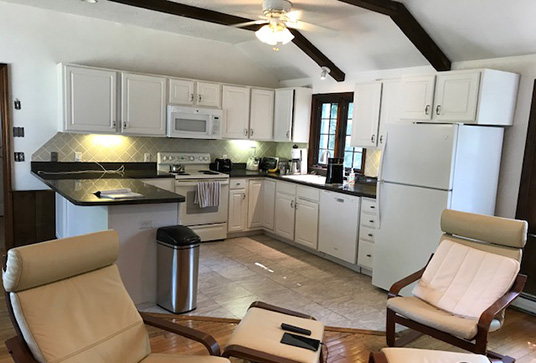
[(525, 304)]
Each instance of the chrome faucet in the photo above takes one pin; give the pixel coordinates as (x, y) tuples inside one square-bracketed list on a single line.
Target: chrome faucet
[(326, 154)]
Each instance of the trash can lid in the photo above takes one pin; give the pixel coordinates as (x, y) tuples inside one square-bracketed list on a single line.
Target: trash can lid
[(177, 236)]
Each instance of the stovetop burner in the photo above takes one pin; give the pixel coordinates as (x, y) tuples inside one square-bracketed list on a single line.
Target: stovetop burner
[(208, 172), (183, 173)]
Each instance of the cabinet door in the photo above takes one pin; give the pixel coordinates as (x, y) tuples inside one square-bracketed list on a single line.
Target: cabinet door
[(235, 112), (181, 91), (208, 94), (237, 210), (143, 105), (284, 103), (306, 223), (268, 204), (390, 108), (417, 97), (255, 205), (284, 215), (456, 97), (261, 120), (366, 114), (89, 99), (301, 119)]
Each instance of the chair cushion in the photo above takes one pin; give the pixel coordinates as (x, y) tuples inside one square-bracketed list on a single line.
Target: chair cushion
[(465, 281), (405, 355), (260, 329), (424, 313), (86, 318), (177, 358), (46, 262)]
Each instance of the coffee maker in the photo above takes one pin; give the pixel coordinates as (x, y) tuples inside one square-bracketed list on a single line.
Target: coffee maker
[(335, 172), (298, 162)]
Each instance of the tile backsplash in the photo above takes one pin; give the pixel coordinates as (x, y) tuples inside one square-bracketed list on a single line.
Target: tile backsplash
[(117, 148)]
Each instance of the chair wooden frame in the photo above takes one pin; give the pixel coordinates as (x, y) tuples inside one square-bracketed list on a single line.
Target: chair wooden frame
[(20, 353), (254, 355), (478, 344)]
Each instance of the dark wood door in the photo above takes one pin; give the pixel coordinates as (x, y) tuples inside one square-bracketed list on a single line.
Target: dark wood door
[(526, 202)]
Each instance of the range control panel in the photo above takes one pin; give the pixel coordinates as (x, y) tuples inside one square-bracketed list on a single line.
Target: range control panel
[(182, 158)]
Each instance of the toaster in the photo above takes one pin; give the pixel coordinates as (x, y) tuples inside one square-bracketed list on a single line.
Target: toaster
[(223, 164), (269, 164)]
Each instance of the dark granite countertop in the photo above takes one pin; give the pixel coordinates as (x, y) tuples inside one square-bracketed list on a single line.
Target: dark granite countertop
[(358, 189), (79, 187)]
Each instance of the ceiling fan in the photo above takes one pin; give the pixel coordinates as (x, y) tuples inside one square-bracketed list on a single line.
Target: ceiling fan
[(278, 17)]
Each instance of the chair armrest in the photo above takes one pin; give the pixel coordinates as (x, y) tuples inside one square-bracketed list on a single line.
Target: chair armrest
[(503, 302), (377, 357), (206, 339), (397, 286), (19, 351), (277, 309), (254, 355)]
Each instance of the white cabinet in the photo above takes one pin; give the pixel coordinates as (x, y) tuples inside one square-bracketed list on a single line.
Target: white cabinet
[(143, 104), (367, 232), (484, 97), (285, 199), (162, 183), (235, 105), (189, 92), (292, 116), (255, 204), (306, 230), (338, 227), (268, 204), (366, 116), (261, 120), (237, 219), (88, 99), (390, 108)]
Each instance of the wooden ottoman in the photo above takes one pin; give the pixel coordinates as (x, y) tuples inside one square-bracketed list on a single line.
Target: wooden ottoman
[(258, 336), (406, 355)]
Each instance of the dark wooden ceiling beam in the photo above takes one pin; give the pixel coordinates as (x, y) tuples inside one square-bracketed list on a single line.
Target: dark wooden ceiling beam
[(211, 16), (410, 27)]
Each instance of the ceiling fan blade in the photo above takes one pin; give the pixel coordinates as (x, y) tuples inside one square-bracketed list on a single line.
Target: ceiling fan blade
[(308, 27), (254, 22)]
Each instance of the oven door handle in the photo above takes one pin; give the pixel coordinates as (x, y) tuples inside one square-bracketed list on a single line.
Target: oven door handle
[(193, 184)]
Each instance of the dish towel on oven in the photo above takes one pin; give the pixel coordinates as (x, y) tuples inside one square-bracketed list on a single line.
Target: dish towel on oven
[(208, 194)]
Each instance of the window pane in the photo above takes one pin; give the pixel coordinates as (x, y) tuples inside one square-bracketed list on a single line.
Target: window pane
[(326, 109), (331, 144), (348, 143), (323, 142), (334, 108), (358, 158), (350, 110), (333, 126), (324, 127), (348, 159)]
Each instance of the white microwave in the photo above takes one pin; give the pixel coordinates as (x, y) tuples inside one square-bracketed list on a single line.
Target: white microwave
[(194, 122)]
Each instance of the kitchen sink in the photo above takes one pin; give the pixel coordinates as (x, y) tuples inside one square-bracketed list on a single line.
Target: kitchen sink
[(307, 178)]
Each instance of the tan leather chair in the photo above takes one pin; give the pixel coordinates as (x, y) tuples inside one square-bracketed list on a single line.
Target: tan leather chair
[(466, 286), (67, 303)]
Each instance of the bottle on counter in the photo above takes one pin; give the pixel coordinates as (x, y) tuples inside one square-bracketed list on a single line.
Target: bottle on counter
[(351, 177)]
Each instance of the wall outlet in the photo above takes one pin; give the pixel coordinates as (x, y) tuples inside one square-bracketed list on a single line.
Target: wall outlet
[(53, 156), (77, 156), (147, 157), (146, 224)]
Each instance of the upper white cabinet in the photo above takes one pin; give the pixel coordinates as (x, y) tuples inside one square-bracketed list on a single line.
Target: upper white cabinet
[(484, 97), (235, 105), (292, 116), (88, 99), (261, 119), (366, 116), (143, 104), (188, 92)]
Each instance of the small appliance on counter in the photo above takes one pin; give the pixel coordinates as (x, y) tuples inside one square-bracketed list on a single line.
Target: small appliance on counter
[(284, 167), (269, 164), (223, 165), (335, 174), (253, 164), (298, 164)]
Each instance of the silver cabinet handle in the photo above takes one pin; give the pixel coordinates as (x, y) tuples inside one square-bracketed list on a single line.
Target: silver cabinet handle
[(245, 132), (438, 110), (373, 138), (372, 207), (191, 97), (381, 139), (340, 200), (125, 124), (371, 220), (199, 98), (243, 196), (114, 124), (370, 235), (288, 134), (291, 204), (369, 255), (427, 110), (250, 132)]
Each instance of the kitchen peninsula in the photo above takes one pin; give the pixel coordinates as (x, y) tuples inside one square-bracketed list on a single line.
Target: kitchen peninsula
[(79, 211)]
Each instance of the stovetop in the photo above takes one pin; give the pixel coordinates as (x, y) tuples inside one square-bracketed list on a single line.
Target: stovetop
[(195, 165)]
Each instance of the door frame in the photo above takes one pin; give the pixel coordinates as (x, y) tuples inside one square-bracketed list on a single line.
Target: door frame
[(5, 112)]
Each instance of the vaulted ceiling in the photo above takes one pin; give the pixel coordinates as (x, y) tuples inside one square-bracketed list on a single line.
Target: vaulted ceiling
[(353, 38)]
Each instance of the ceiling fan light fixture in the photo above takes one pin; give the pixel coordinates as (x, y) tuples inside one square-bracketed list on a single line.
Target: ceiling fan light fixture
[(274, 33), (325, 72)]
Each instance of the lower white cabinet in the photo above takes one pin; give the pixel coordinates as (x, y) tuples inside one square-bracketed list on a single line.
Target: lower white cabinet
[(268, 204), (339, 225), (284, 215), (255, 204), (367, 232), (236, 221), (162, 183), (306, 232)]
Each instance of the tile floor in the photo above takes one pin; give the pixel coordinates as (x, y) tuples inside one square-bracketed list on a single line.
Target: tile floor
[(235, 272)]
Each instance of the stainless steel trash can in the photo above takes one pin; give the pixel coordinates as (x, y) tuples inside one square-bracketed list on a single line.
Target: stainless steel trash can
[(178, 267)]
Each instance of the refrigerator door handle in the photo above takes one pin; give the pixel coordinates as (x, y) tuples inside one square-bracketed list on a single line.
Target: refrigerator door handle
[(382, 157), (380, 180)]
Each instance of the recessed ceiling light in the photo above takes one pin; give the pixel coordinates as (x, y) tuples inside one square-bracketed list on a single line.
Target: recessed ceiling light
[(90, 1)]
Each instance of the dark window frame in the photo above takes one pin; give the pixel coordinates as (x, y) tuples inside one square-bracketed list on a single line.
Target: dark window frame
[(343, 99)]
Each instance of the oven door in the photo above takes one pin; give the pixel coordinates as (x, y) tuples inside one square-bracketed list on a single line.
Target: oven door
[(190, 214), (189, 125)]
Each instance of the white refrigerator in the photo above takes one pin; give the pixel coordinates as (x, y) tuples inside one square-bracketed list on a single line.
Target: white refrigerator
[(424, 169)]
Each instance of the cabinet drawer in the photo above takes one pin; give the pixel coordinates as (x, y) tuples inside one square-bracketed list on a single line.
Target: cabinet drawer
[(286, 188), (367, 234), (368, 206), (312, 194), (237, 183), (365, 256), (368, 220)]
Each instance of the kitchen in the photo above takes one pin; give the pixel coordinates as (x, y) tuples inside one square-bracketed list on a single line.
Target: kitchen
[(34, 76)]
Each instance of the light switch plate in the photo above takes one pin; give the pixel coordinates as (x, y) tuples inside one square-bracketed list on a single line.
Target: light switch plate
[(147, 157), (77, 156)]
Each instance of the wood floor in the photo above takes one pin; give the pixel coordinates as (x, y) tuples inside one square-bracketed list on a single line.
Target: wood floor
[(517, 338)]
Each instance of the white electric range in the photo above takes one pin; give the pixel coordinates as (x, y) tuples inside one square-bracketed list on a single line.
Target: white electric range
[(210, 223)]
